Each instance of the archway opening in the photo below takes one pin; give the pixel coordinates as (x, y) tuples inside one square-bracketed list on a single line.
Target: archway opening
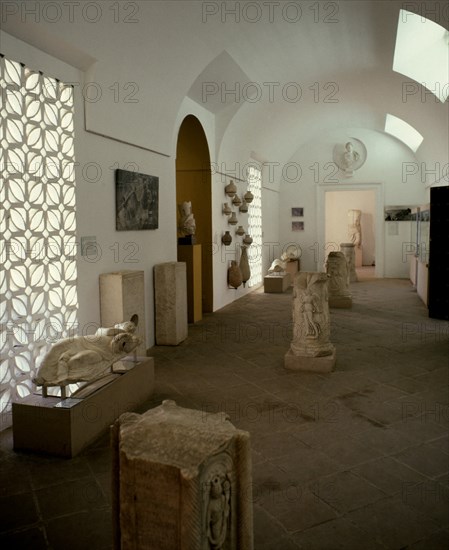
[(193, 184)]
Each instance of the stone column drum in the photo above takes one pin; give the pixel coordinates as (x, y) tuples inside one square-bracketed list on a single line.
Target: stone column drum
[(348, 250), (311, 348), (181, 481), (170, 297), (337, 269)]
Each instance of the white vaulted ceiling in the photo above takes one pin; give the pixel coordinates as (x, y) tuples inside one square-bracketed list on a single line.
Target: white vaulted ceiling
[(342, 51)]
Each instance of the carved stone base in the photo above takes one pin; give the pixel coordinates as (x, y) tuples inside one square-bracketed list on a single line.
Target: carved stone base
[(313, 364), (342, 302)]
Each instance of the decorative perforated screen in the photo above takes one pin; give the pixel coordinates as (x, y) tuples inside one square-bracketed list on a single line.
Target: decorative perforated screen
[(38, 296)]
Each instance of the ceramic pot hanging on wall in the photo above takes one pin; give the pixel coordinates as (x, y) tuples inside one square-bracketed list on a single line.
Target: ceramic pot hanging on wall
[(244, 207), (240, 231), (234, 275), (248, 196), (231, 189), (236, 201), (247, 239), (227, 209), (226, 239), (233, 219), (244, 265)]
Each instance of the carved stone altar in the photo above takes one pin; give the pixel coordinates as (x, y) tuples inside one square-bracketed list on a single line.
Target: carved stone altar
[(311, 348), (348, 250), (337, 269), (181, 481)]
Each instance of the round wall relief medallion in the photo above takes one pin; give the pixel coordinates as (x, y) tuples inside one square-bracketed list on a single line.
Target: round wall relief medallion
[(349, 156)]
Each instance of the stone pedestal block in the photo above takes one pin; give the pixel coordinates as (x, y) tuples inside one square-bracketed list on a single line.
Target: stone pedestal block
[(181, 481), (358, 256), (315, 364), (311, 348), (122, 295), (191, 255), (170, 293), (337, 269), (348, 250), (276, 283)]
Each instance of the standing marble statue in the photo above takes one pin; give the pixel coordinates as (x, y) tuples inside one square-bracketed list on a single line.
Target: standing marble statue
[(337, 269), (354, 227), (311, 348)]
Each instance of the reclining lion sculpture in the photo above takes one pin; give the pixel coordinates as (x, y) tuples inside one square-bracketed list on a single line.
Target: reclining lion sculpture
[(86, 358)]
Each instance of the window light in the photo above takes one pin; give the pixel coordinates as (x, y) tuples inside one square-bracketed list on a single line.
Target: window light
[(422, 53), (403, 131)]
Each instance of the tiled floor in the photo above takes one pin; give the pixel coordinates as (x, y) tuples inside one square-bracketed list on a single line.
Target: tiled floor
[(355, 460)]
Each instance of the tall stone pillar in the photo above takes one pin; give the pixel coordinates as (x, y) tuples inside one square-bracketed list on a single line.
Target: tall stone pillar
[(170, 297), (181, 481), (337, 269), (348, 250), (311, 348)]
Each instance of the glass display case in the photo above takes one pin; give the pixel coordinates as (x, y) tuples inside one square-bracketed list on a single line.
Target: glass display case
[(423, 234)]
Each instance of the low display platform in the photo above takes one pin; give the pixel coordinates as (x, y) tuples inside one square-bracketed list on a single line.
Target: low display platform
[(276, 283), (64, 427)]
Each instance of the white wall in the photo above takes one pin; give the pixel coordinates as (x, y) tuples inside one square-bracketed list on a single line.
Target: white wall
[(336, 212), (398, 239), (382, 170), (96, 158)]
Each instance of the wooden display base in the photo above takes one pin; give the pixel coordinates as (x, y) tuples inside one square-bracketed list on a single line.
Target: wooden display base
[(276, 283), (312, 364), (64, 427)]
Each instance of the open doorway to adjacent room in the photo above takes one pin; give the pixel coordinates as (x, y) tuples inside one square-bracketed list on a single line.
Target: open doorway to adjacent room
[(342, 209), (193, 184)]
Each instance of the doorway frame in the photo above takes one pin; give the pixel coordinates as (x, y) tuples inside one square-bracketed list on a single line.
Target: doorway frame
[(378, 189)]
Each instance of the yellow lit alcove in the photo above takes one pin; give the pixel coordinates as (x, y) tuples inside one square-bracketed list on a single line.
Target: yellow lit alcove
[(193, 183)]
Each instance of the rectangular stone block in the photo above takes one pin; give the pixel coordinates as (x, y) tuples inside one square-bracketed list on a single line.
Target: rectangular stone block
[(181, 481), (276, 283), (312, 364), (122, 295), (170, 293)]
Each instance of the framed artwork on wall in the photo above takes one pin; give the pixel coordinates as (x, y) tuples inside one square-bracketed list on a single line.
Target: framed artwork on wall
[(297, 226), (136, 200), (298, 211)]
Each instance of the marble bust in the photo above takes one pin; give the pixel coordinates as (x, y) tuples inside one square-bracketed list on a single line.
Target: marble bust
[(187, 225)]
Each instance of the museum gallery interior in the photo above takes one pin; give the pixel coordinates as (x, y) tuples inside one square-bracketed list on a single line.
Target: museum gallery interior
[(224, 281)]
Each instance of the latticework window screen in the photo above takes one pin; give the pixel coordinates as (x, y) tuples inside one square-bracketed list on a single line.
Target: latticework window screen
[(255, 226), (38, 296)]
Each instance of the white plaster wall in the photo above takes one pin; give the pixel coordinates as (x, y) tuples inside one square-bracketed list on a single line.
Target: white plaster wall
[(398, 239), (97, 157), (383, 168), (336, 211)]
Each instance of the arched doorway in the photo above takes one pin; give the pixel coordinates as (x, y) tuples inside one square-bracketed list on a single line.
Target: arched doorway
[(193, 183)]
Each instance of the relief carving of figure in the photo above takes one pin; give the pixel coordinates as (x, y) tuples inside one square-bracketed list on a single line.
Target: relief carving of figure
[(311, 320), (349, 157), (218, 510), (309, 306)]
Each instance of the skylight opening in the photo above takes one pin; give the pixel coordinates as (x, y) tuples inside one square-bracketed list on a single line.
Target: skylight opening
[(422, 53), (403, 131)]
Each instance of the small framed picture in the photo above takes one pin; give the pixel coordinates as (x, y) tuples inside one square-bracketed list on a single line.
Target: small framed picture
[(297, 226), (298, 212)]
